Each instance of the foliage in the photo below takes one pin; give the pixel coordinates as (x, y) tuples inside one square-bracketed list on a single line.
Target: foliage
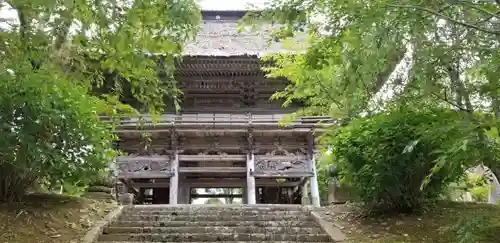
[(430, 226), (63, 63), (470, 228), (478, 186), (50, 132), (387, 157), (365, 57), (92, 40), (480, 193), (323, 180)]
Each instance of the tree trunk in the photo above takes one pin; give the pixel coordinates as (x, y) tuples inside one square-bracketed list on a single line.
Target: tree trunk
[(393, 61), (463, 101)]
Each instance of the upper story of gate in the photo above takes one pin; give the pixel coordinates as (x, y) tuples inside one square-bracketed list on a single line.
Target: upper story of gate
[(222, 80), (221, 69)]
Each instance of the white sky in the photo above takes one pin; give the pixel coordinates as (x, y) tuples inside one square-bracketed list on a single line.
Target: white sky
[(229, 4), (7, 13)]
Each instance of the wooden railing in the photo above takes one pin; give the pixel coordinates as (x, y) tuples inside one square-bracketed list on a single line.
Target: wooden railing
[(219, 118)]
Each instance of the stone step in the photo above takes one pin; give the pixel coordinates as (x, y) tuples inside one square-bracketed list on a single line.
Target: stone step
[(142, 208), (218, 229), (193, 237), (212, 217), (207, 242), (236, 213), (214, 223)]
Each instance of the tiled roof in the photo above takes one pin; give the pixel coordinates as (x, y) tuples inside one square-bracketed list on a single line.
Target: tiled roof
[(219, 37)]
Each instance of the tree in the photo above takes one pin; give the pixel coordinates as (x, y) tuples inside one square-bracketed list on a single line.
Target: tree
[(366, 57), (65, 62), (89, 40), (51, 134), (386, 157)]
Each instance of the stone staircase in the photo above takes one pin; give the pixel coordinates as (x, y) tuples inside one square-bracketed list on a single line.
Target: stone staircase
[(209, 223)]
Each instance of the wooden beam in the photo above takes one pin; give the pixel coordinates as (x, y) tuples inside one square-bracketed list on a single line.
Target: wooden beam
[(264, 92), (152, 158), (228, 93), (212, 158), (220, 117), (201, 147), (273, 174), (144, 175), (211, 131), (133, 126), (218, 183), (243, 110), (216, 195), (212, 169), (278, 157), (193, 130), (207, 131)]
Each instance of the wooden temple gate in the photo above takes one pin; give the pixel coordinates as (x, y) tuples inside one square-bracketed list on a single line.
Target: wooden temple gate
[(227, 133)]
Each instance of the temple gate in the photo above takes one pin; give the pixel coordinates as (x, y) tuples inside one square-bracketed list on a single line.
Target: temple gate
[(227, 133)]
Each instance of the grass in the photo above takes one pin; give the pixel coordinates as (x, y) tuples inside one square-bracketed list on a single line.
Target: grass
[(446, 222), (50, 218)]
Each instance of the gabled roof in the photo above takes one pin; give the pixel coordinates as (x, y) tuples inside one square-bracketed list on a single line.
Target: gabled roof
[(219, 37)]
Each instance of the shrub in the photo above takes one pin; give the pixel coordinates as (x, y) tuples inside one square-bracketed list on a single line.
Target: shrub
[(470, 228), (50, 132), (480, 193), (387, 158), (478, 187)]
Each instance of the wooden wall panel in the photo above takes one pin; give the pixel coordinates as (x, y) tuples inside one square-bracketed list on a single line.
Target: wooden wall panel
[(214, 144), (280, 145)]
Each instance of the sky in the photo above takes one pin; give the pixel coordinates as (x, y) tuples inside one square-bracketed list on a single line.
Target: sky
[(229, 4), (205, 5)]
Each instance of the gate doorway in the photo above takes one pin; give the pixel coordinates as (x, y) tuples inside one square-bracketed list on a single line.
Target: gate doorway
[(216, 196)]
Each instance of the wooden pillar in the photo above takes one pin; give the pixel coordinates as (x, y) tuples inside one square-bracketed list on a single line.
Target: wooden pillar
[(315, 199), (174, 180), (244, 197), (250, 179), (140, 198), (183, 191), (305, 193), (314, 183), (251, 190)]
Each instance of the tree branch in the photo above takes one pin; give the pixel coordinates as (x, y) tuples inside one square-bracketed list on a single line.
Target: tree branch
[(474, 6), (62, 29), (329, 95), (433, 12), (487, 18), (445, 99)]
